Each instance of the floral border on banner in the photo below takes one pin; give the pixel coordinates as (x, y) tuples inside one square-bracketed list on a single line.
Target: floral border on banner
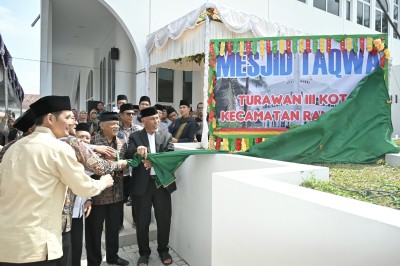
[(241, 139)]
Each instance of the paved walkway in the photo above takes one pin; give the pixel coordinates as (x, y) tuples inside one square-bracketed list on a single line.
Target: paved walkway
[(131, 253)]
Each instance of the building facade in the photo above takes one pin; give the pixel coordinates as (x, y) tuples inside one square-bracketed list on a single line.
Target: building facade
[(96, 49)]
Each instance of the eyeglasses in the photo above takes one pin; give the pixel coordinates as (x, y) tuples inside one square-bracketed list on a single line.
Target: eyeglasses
[(129, 114)]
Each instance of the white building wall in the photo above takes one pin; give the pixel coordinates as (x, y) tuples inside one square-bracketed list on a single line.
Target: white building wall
[(178, 88), (66, 77), (394, 79), (131, 32), (125, 76), (192, 214), (239, 210), (135, 21), (258, 221), (197, 89), (85, 71)]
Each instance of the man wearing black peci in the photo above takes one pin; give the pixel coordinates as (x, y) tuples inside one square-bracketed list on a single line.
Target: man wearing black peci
[(107, 206), (184, 129), (144, 192)]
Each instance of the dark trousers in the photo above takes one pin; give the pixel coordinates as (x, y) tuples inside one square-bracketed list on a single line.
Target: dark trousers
[(161, 200), (39, 263), (126, 180), (133, 212), (76, 240), (111, 214), (65, 260)]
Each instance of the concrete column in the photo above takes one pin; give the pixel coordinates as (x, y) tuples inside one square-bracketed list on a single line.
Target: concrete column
[(46, 49)]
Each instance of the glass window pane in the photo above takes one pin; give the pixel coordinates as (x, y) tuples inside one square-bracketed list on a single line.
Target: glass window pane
[(378, 21), (321, 4), (103, 97), (165, 86), (109, 99), (394, 33), (333, 7), (359, 13), (384, 24), (302, 1), (348, 10), (113, 81), (366, 16), (384, 3), (187, 86), (396, 13)]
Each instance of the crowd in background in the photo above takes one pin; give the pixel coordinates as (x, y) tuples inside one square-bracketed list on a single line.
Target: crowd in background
[(113, 136)]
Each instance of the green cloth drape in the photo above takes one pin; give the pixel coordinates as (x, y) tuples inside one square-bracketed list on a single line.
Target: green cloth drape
[(356, 131), (166, 163)]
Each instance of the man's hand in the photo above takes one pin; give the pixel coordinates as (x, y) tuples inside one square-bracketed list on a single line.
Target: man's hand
[(142, 151), (147, 164), (87, 208), (108, 180), (122, 164), (174, 140), (106, 150)]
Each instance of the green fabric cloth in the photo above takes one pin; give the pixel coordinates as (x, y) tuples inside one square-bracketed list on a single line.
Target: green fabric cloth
[(135, 161), (356, 131), (166, 163)]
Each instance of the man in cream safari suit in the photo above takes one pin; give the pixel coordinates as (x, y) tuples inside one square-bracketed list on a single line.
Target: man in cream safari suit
[(34, 176)]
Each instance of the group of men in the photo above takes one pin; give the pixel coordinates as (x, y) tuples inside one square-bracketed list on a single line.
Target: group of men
[(42, 224)]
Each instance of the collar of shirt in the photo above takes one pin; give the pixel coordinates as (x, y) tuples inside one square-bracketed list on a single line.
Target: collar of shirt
[(41, 129)]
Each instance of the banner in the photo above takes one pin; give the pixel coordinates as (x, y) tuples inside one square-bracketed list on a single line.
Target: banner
[(261, 87)]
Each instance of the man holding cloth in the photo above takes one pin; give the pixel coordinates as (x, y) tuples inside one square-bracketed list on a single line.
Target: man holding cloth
[(32, 188), (144, 191), (107, 206)]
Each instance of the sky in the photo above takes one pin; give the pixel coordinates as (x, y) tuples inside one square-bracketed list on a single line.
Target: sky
[(22, 40)]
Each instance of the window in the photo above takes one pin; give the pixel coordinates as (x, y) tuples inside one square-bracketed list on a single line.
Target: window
[(111, 81), (348, 10), (78, 91), (363, 12), (109, 99), (302, 1), (331, 6), (89, 86), (103, 92), (101, 79), (396, 17), (381, 22), (187, 86), (165, 88)]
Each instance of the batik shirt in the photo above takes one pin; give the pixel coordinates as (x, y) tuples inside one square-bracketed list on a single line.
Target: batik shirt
[(91, 162), (115, 193)]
